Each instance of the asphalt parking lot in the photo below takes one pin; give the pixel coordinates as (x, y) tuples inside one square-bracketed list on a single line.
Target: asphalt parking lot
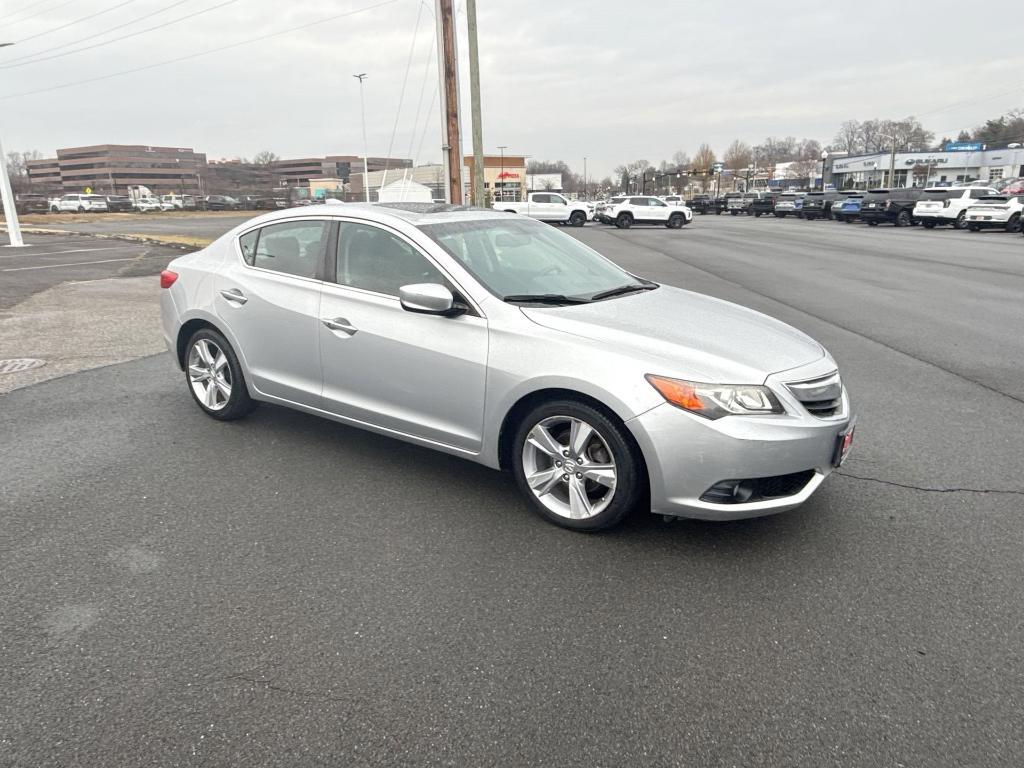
[(287, 591)]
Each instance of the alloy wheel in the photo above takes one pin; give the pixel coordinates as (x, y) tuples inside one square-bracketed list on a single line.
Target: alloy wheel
[(569, 467), (209, 374)]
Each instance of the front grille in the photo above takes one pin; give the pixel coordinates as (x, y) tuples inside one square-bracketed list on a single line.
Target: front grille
[(821, 397), (757, 488)]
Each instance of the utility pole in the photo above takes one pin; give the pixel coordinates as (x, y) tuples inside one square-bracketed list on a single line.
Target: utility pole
[(366, 163), (448, 67), (474, 106)]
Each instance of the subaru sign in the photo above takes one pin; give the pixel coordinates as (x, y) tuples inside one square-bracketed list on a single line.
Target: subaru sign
[(964, 146)]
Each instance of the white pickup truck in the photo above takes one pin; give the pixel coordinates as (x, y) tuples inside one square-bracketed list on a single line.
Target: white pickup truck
[(548, 206)]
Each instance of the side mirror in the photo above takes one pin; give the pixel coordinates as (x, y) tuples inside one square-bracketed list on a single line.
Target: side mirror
[(429, 299)]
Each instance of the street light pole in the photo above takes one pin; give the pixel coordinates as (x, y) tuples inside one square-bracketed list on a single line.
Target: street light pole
[(366, 164), (824, 157), (7, 196), (501, 174), (585, 196)]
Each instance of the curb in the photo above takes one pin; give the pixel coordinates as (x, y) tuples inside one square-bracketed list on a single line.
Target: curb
[(147, 239)]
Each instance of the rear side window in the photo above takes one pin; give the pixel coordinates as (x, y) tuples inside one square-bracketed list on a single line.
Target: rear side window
[(293, 247), (542, 198), (638, 201), (247, 243), (977, 194)]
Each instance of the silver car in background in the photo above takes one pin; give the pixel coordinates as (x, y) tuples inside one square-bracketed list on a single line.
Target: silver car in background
[(507, 342)]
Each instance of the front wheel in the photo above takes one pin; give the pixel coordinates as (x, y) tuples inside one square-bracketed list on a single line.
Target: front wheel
[(577, 219), (1013, 225), (215, 377), (624, 221), (577, 467), (903, 219), (675, 221), (961, 219)]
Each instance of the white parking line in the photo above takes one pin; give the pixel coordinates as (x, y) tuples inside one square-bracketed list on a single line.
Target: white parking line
[(72, 264), (79, 250)]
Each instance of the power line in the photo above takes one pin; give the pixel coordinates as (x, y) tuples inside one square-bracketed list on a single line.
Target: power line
[(39, 12), (199, 54), (401, 95), (8, 63), (423, 89), (122, 37), (76, 21), (426, 123)]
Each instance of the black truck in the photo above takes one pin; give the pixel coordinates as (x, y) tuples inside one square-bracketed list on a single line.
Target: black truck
[(893, 206), (818, 205)]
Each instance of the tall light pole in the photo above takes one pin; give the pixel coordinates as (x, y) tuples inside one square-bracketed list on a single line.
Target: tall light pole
[(501, 174), (585, 196), (824, 157), (7, 196), (366, 164)]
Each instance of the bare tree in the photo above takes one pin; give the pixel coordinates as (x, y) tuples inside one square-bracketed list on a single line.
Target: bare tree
[(680, 159), (738, 156), (265, 158), (849, 138)]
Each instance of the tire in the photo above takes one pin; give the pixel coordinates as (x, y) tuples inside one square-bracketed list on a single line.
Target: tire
[(542, 439), (757, 214), (734, 213), (81, 209), (928, 224), (577, 219), (973, 228), (203, 364), (903, 219), (960, 220), (675, 221), (780, 215), (872, 223), (1013, 225), (624, 221), (54, 209)]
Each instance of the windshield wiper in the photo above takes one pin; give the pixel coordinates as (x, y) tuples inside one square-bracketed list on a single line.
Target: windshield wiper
[(545, 298), (623, 289)]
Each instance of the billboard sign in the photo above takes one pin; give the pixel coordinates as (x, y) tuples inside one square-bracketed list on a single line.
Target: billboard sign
[(963, 146)]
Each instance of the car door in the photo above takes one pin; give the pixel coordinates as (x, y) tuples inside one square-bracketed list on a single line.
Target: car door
[(540, 206), (657, 210), (415, 374), (268, 296)]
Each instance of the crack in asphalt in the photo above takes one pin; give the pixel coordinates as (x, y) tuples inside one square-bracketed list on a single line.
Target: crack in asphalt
[(831, 322), (925, 489), (267, 684)]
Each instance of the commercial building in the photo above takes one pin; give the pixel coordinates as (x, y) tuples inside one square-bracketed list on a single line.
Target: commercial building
[(504, 176), (112, 168), (430, 176), (233, 177), (922, 169), (299, 172)]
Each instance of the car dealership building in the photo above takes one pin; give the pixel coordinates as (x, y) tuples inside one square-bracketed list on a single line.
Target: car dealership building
[(922, 169)]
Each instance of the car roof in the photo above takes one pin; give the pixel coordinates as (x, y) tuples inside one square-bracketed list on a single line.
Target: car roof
[(416, 214)]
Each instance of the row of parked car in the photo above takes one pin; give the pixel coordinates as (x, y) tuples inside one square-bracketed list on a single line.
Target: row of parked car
[(30, 202), (974, 206)]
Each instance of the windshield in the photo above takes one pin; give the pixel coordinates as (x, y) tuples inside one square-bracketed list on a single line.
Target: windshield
[(522, 257)]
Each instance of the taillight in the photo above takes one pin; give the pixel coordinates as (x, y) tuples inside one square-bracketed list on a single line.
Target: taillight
[(167, 278)]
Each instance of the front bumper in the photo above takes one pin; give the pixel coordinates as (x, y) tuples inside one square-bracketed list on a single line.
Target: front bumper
[(686, 455)]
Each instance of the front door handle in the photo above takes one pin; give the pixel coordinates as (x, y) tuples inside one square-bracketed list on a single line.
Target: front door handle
[(339, 324), (235, 295)]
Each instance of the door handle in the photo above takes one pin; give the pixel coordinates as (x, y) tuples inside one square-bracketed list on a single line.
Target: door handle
[(339, 324), (235, 295)]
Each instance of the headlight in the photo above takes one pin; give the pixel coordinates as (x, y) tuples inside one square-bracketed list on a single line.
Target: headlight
[(713, 401)]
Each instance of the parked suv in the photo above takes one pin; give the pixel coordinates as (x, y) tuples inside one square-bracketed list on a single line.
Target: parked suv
[(789, 203), (895, 206), (847, 209), (30, 202), (996, 212), (818, 205), (81, 203), (222, 203), (948, 205), (643, 209)]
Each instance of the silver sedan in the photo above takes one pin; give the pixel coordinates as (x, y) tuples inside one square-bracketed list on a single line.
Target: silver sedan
[(507, 342)]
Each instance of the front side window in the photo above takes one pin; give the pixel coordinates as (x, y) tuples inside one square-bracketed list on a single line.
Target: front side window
[(374, 259), (293, 247), (656, 203)]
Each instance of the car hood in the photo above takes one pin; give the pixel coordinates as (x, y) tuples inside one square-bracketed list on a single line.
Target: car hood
[(690, 334)]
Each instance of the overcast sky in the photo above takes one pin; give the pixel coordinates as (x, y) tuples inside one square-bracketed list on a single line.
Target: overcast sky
[(610, 80)]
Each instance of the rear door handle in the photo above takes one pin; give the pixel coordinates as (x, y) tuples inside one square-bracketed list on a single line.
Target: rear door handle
[(339, 324), (235, 295)]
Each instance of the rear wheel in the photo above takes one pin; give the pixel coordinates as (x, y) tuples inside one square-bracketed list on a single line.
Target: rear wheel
[(577, 218), (577, 467), (215, 377), (624, 221), (1013, 225), (961, 219)]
